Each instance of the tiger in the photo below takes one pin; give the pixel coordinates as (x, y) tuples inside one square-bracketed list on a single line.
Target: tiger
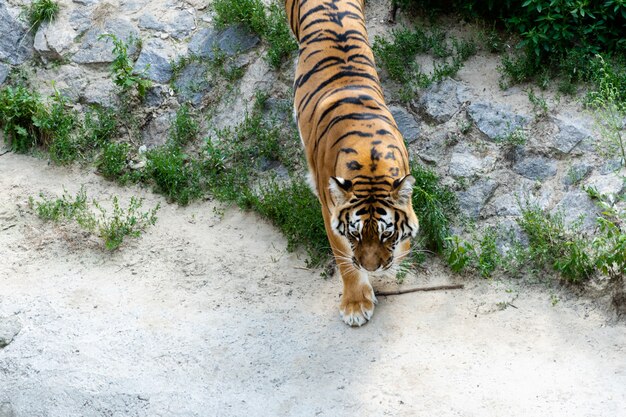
[(357, 160)]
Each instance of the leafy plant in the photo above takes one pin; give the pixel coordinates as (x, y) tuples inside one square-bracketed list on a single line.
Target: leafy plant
[(540, 106), (19, 108), (397, 56), (114, 228), (124, 75)]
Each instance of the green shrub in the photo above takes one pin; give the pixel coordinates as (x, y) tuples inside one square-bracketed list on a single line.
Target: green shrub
[(551, 244), (19, 108), (114, 228), (175, 175), (185, 128), (113, 162), (124, 75)]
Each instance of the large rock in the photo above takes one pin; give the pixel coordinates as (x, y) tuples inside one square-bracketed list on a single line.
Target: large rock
[(568, 137), (192, 83), (536, 167), (475, 197), (101, 92), (9, 328), (157, 132), (4, 72), (408, 126), (466, 164), (577, 173), (231, 41), (54, 39), (6, 410), (441, 101), (80, 19), (176, 23), (154, 59), (15, 40), (577, 205), (99, 51), (495, 122), (608, 184)]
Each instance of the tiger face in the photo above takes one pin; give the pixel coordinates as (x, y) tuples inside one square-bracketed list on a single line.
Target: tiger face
[(375, 224)]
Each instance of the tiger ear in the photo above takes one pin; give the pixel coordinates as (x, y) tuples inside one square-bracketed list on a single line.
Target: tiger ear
[(339, 189), (402, 189)]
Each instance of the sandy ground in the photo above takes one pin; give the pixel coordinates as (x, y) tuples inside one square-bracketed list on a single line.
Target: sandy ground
[(208, 315)]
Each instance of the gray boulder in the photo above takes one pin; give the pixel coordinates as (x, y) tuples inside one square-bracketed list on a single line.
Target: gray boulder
[(495, 122), (53, 40), (568, 137), (536, 168), (100, 51), (176, 23), (607, 184), (9, 328), (441, 101), (4, 72), (475, 197), (408, 126), (157, 132), (155, 61), (192, 83), (466, 164), (15, 40), (576, 204), (576, 173), (231, 41)]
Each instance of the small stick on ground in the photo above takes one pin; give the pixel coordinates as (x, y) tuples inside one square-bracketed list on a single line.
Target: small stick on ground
[(408, 290)]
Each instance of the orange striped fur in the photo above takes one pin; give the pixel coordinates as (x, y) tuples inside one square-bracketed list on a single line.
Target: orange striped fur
[(358, 163)]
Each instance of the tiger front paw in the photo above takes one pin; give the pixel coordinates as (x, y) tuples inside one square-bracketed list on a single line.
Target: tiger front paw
[(356, 311)]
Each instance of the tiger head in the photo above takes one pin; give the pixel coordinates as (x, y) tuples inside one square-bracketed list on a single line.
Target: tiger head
[(376, 217)]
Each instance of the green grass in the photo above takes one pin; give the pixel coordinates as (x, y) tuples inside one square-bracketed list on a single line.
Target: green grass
[(41, 11), (111, 227), (270, 23)]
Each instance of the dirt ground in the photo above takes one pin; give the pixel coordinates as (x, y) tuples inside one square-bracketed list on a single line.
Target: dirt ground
[(207, 314)]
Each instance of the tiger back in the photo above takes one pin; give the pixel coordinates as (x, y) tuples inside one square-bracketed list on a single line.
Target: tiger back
[(358, 163)]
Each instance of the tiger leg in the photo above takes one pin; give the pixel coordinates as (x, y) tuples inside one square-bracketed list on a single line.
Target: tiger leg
[(358, 299)]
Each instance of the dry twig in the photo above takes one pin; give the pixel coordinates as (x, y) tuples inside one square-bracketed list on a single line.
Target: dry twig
[(408, 290)]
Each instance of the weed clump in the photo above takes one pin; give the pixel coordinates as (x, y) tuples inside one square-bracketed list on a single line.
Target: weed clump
[(122, 70), (112, 228), (397, 56), (41, 11)]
